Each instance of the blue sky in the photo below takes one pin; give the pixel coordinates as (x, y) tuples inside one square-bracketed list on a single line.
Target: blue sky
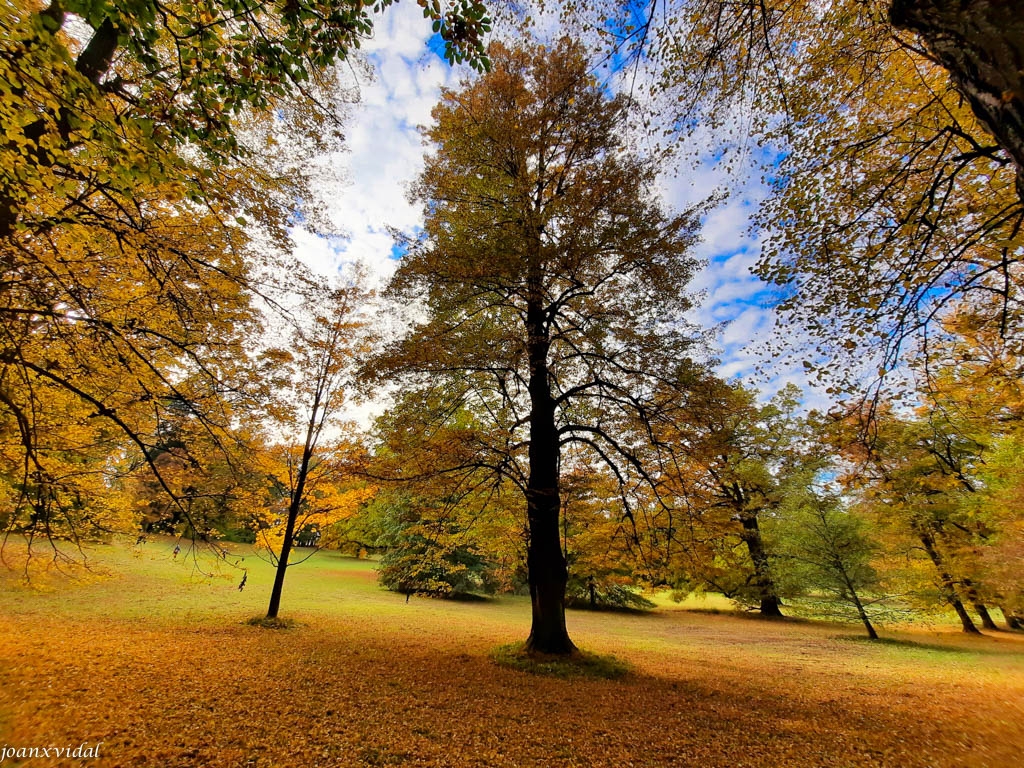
[(385, 153)]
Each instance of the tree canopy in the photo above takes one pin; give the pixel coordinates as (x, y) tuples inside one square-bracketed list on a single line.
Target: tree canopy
[(551, 284)]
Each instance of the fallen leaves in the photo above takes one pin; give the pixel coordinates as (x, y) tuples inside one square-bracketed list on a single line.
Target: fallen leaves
[(412, 685)]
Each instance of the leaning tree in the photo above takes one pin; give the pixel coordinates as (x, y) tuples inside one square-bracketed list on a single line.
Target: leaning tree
[(550, 287)]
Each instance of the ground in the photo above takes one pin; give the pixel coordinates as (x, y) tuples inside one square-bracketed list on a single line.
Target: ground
[(156, 662)]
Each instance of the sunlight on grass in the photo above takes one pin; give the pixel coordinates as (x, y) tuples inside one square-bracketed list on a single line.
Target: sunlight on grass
[(156, 660)]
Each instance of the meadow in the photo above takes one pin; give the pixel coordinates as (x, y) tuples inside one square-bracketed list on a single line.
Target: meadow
[(151, 655)]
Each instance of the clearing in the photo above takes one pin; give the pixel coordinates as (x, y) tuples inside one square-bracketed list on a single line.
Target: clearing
[(155, 661)]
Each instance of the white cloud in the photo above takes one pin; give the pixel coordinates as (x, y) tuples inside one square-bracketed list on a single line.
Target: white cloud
[(384, 148)]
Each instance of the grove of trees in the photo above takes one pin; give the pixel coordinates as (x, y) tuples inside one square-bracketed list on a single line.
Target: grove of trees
[(553, 422)]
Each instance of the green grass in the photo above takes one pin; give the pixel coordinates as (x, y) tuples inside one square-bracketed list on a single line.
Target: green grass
[(578, 664)]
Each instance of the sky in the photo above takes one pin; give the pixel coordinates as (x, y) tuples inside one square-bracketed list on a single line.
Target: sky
[(385, 151)]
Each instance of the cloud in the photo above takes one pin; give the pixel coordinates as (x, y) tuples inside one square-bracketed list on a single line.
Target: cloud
[(384, 148)]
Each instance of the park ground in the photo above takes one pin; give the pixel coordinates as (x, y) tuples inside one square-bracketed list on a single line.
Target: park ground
[(150, 655)]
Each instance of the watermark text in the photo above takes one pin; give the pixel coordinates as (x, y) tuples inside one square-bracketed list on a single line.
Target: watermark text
[(82, 752)]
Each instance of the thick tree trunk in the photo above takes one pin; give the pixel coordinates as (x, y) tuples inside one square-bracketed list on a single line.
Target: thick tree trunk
[(1012, 621), (979, 607), (770, 603), (548, 572), (981, 43), (986, 617), (945, 579)]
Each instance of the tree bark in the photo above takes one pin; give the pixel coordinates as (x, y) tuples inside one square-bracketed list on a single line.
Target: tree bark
[(294, 505), (981, 43), (1012, 622), (946, 580), (979, 607), (282, 561), (770, 604), (855, 598), (548, 571), (986, 617)]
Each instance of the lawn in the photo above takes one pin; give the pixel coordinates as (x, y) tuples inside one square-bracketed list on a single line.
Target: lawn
[(155, 660)]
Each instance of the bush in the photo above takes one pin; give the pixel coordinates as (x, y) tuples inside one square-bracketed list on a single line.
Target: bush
[(602, 594)]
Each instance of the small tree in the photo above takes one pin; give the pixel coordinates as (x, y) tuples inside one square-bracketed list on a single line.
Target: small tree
[(309, 388), (827, 551)]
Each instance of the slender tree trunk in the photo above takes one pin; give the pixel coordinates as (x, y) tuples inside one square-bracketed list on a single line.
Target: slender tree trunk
[(855, 599), (864, 617), (946, 580), (770, 603), (981, 43), (282, 562), (294, 505), (548, 572)]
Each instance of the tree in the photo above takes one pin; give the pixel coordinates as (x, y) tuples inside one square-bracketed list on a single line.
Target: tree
[(131, 182), (981, 43), (827, 550), (895, 189), (309, 383), (972, 382), (151, 79), (734, 463), (550, 283), (895, 207), (446, 532), (913, 476), (123, 323), (301, 502), (432, 550)]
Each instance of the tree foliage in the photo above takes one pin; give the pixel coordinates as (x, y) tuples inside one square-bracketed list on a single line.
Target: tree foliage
[(132, 179), (893, 159), (551, 286)]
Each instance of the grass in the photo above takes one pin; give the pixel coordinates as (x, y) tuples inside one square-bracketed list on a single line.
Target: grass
[(579, 664), (266, 622), (152, 655)]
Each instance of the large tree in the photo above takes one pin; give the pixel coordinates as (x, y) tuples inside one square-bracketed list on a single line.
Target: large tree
[(132, 176), (551, 286), (892, 193)]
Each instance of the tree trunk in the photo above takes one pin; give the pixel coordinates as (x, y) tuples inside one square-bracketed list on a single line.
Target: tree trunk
[(545, 561), (864, 617), (855, 599), (979, 607), (282, 562), (294, 505), (770, 604), (986, 617), (1011, 619), (981, 43), (946, 580)]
